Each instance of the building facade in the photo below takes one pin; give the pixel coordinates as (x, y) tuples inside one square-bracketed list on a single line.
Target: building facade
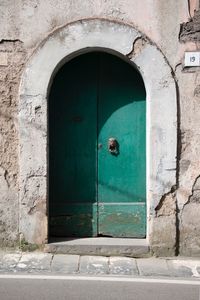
[(100, 122)]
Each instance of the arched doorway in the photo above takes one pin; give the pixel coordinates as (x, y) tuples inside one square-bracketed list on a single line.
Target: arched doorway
[(161, 105), (97, 148)]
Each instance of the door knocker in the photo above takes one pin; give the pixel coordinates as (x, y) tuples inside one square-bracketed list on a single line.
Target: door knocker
[(113, 146)]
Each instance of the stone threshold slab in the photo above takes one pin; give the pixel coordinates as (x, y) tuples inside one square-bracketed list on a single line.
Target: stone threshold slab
[(99, 246)]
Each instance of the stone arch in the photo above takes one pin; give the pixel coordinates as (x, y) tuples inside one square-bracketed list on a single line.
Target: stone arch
[(161, 114)]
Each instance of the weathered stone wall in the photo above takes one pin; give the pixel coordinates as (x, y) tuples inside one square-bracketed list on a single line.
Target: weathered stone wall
[(174, 27), (188, 208), (188, 197), (12, 59)]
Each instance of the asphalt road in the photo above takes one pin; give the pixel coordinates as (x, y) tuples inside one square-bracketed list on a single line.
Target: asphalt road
[(95, 288)]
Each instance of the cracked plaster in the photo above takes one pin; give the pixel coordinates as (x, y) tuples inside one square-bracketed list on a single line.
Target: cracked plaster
[(18, 41), (10, 73), (161, 95)]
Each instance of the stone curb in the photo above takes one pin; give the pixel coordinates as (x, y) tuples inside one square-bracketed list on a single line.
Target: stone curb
[(37, 262)]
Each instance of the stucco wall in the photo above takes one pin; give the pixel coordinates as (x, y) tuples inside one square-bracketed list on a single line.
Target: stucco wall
[(25, 24)]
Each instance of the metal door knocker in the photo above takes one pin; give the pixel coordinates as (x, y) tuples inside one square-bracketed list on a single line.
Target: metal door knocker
[(113, 146)]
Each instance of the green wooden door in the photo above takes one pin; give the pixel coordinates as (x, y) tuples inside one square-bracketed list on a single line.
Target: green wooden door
[(92, 191), (121, 175)]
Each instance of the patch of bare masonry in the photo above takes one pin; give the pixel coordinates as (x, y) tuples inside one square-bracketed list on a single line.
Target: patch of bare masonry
[(12, 60), (190, 31), (138, 44)]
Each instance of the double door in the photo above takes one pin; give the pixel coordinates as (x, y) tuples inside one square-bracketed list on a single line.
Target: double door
[(97, 152)]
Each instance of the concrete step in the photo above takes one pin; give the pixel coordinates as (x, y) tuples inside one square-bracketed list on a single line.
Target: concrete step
[(99, 246)]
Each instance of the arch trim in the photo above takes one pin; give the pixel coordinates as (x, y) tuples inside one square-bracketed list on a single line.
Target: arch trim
[(33, 95)]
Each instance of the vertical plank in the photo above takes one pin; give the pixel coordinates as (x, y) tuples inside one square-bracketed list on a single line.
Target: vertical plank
[(121, 177), (72, 144)]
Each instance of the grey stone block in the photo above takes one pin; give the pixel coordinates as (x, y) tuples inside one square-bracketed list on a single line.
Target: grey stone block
[(9, 261), (93, 265), (179, 270), (62, 263), (100, 246), (153, 267), (183, 267), (123, 266), (35, 262)]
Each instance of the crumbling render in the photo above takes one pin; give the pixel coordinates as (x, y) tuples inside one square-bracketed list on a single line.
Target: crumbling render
[(167, 205), (189, 225), (195, 194), (12, 60), (138, 44), (190, 31)]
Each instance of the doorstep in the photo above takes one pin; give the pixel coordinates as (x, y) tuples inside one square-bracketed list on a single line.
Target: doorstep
[(99, 246)]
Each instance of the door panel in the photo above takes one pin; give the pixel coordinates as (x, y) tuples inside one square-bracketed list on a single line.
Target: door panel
[(92, 192), (73, 131), (122, 219), (121, 177)]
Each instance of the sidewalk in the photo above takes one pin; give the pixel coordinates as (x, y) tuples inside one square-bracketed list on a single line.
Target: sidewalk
[(63, 264)]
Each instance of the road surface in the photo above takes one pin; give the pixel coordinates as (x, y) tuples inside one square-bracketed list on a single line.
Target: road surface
[(45, 287)]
